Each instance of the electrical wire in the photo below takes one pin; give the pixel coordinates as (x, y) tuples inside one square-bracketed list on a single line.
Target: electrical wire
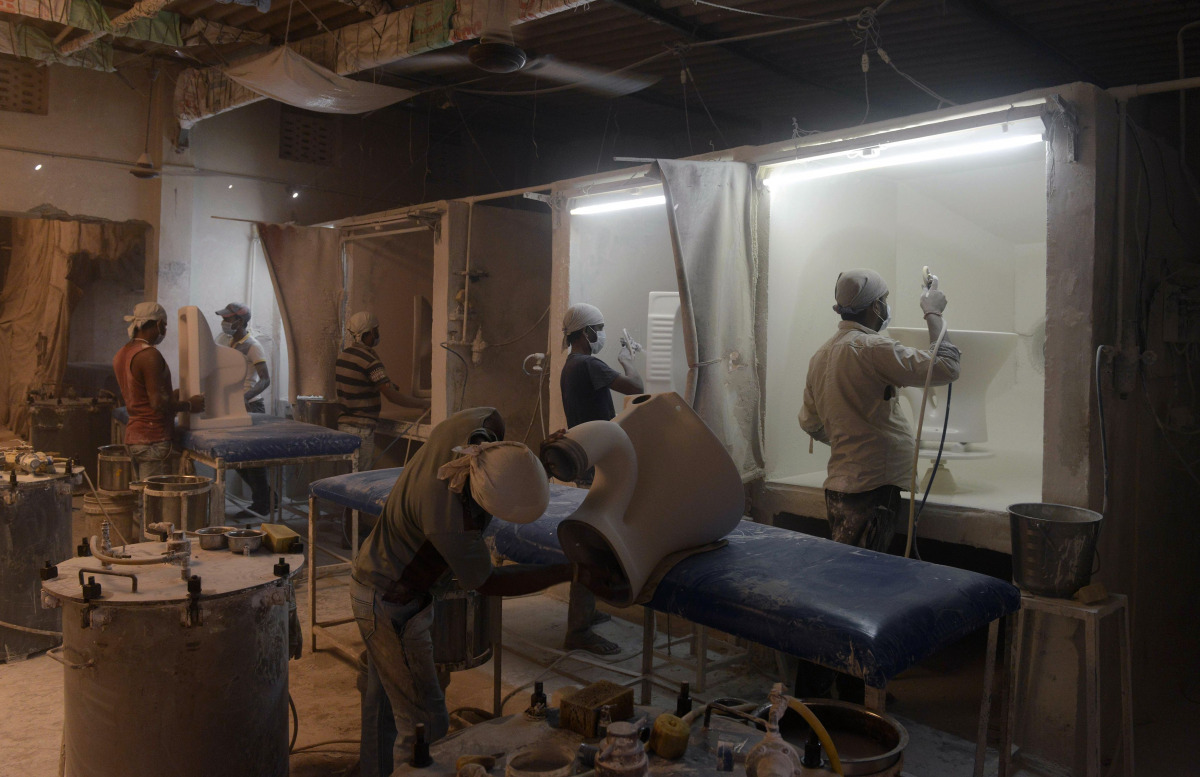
[(525, 334), (752, 13), (1100, 351), (462, 393), (295, 724)]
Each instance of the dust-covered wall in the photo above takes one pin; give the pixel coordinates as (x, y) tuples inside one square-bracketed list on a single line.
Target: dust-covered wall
[(508, 305)]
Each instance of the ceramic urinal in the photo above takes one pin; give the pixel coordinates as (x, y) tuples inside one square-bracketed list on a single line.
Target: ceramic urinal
[(664, 483)]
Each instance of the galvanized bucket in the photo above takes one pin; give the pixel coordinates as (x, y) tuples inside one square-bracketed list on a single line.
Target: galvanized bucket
[(115, 468), (1053, 547), (462, 630), (181, 500)]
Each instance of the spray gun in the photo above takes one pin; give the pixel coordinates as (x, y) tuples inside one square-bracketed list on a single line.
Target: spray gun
[(928, 279), (629, 342)]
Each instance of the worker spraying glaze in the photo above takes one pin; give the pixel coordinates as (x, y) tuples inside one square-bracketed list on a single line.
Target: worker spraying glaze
[(235, 322), (851, 403), (431, 531), (587, 383)]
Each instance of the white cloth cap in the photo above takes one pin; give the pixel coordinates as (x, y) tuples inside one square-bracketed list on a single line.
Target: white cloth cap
[(577, 317), (360, 323), (855, 290), (506, 479), (143, 313)]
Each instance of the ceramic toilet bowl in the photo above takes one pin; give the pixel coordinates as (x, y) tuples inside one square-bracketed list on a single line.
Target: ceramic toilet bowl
[(663, 483), (215, 371)]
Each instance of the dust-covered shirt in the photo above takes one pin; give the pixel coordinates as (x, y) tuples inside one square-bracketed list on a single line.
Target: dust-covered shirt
[(424, 530), (250, 348), (851, 403), (585, 383), (358, 375)]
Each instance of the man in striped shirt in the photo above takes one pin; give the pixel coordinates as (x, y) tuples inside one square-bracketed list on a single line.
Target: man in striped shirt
[(361, 380)]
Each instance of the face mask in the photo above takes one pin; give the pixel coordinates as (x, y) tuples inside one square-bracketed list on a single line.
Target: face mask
[(887, 316), (228, 328), (598, 346), (162, 333)]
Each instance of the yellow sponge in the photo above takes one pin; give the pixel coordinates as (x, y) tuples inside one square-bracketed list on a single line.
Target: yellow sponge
[(279, 537)]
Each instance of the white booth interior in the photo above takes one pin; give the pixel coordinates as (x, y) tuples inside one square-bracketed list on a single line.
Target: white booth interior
[(970, 205), (621, 259), (392, 276)]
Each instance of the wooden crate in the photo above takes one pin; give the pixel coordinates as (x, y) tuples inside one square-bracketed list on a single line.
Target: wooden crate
[(580, 712)]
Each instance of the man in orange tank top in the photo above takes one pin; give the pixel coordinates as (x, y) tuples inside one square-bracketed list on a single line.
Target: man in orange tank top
[(145, 381)]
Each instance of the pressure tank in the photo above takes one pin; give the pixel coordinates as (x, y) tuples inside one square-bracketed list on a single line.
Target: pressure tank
[(167, 675), (35, 527)]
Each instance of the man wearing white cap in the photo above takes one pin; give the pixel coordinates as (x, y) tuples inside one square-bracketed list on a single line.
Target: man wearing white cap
[(851, 403), (145, 381), (235, 320), (361, 380), (429, 540), (587, 384)]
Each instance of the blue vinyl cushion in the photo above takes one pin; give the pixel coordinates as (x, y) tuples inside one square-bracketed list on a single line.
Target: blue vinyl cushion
[(869, 614), (268, 437)]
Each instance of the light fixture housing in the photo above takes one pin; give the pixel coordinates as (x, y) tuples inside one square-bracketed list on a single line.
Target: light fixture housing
[(623, 204), (974, 142)]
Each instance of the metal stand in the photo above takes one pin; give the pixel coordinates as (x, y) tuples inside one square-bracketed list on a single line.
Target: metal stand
[(316, 627)]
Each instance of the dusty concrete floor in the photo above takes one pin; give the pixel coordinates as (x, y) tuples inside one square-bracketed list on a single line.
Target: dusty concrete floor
[(937, 701)]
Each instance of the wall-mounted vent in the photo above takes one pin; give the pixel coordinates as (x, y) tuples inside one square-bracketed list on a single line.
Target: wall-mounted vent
[(306, 137), (24, 88)]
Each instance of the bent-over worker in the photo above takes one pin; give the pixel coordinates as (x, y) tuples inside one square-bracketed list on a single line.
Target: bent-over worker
[(360, 380), (852, 404), (145, 381), (587, 383), (235, 319), (429, 536)]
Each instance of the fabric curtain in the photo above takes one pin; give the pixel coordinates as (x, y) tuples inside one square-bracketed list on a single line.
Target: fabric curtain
[(288, 77), (305, 265), (51, 264), (712, 214)]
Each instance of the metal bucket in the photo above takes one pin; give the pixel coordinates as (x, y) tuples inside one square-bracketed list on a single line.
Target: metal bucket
[(115, 468), (1052, 547), (116, 507), (868, 742), (178, 499), (35, 527), (462, 630)]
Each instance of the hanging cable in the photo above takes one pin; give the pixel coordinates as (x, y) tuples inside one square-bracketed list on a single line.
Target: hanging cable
[(527, 332)]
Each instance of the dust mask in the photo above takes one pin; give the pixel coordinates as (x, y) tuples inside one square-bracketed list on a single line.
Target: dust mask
[(228, 328), (598, 346), (887, 316)]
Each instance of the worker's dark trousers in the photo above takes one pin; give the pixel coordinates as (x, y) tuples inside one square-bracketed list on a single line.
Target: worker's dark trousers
[(256, 477), (868, 520)]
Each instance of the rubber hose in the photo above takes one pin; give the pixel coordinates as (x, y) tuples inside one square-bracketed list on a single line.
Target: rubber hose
[(822, 734), (912, 491)]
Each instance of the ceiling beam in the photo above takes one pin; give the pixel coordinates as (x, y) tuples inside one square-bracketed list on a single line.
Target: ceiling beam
[(704, 33), (1002, 22)]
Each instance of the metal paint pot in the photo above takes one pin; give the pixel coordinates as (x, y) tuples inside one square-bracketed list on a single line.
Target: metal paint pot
[(35, 527), (115, 468), (115, 507), (166, 680), (462, 630), (178, 499), (869, 743)]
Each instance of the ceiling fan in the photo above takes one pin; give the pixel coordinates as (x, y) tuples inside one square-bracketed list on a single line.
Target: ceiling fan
[(498, 53)]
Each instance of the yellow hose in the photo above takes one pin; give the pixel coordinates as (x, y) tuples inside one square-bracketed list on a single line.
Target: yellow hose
[(822, 734)]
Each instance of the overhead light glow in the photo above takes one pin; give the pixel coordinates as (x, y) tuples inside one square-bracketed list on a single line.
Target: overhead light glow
[(609, 207), (230, 186), (295, 194), (881, 158), (38, 166)]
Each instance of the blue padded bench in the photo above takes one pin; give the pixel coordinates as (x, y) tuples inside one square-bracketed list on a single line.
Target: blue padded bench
[(868, 614), (268, 442)]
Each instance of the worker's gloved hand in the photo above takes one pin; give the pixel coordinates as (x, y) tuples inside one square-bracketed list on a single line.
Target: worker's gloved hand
[(932, 300), (625, 356)]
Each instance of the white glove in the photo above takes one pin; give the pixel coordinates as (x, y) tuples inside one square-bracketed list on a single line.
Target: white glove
[(932, 300)]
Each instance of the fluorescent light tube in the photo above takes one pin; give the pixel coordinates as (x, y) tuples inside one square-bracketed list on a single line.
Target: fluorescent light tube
[(884, 159), (608, 207)]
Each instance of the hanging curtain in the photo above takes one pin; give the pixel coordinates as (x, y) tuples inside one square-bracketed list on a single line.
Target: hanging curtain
[(306, 271), (712, 214), (50, 265)]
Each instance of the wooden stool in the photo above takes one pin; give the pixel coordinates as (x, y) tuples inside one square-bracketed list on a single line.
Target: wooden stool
[(1091, 615)]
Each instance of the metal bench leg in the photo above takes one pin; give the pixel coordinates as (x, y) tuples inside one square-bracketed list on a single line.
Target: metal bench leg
[(1126, 690), (1015, 646), (648, 633), (312, 571), (497, 603), (701, 652), (1091, 698)]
